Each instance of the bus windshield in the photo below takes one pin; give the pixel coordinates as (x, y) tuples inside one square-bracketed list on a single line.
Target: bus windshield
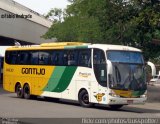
[(125, 57), (128, 70)]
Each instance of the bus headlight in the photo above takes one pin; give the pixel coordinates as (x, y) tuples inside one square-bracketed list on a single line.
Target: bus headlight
[(144, 95), (113, 94)]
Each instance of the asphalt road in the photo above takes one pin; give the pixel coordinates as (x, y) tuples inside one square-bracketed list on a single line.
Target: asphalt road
[(13, 107), (153, 93)]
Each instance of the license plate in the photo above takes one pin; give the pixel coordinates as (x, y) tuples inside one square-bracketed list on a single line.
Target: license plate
[(129, 101)]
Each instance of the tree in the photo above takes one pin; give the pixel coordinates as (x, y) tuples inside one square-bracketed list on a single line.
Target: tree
[(55, 14), (75, 29), (127, 22)]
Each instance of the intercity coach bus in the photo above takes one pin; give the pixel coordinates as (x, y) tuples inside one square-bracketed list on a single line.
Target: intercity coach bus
[(89, 73)]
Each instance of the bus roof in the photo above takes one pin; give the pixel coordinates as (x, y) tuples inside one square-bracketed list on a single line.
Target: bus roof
[(55, 44), (73, 45), (107, 47)]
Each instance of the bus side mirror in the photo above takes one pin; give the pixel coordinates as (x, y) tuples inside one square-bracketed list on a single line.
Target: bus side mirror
[(153, 67), (109, 67)]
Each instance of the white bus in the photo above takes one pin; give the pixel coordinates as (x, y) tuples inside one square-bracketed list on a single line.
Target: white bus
[(113, 75)]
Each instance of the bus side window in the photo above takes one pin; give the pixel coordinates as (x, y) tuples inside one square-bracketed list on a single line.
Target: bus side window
[(56, 57), (65, 58), (23, 58), (29, 58), (70, 58), (60, 58), (34, 57), (8, 57), (73, 58), (52, 58), (43, 57), (84, 58), (11, 57)]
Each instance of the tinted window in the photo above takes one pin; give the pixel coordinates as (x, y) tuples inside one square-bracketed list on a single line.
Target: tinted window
[(84, 58), (56, 57), (44, 57), (11, 57), (23, 57), (33, 58), (50, 57), (70, 57)]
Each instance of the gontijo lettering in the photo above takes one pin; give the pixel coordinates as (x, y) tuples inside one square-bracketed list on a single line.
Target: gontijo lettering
[(34, 71)]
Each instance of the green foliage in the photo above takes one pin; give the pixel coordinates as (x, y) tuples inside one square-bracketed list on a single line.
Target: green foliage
[(55, 14), (75, 29), (127, 22)]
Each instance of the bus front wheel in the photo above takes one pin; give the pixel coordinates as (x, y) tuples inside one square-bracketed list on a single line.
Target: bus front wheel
[(83, 99), (26, 90), (19, 91)]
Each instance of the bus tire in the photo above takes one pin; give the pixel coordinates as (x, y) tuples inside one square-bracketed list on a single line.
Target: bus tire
[(83, 98), (26, 91), (115, 107), (19, 90)]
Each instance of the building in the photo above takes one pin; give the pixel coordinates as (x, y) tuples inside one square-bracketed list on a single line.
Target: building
[(19, 23)]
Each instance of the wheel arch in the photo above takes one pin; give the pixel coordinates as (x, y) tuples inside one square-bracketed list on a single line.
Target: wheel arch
[(81, 89), (17, 83)]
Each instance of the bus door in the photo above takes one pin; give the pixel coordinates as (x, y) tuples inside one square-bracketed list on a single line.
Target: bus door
[(100, 71)]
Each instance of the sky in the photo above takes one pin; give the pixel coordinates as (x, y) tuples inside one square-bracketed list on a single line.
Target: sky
[(43, 6)]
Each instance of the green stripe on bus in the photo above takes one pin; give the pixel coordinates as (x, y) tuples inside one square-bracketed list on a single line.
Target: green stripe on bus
[(138, 93), (75, 47), (55, 78), (65, 79)]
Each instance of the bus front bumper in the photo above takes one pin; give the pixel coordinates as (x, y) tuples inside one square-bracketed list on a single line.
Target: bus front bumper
[(126, 101)]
